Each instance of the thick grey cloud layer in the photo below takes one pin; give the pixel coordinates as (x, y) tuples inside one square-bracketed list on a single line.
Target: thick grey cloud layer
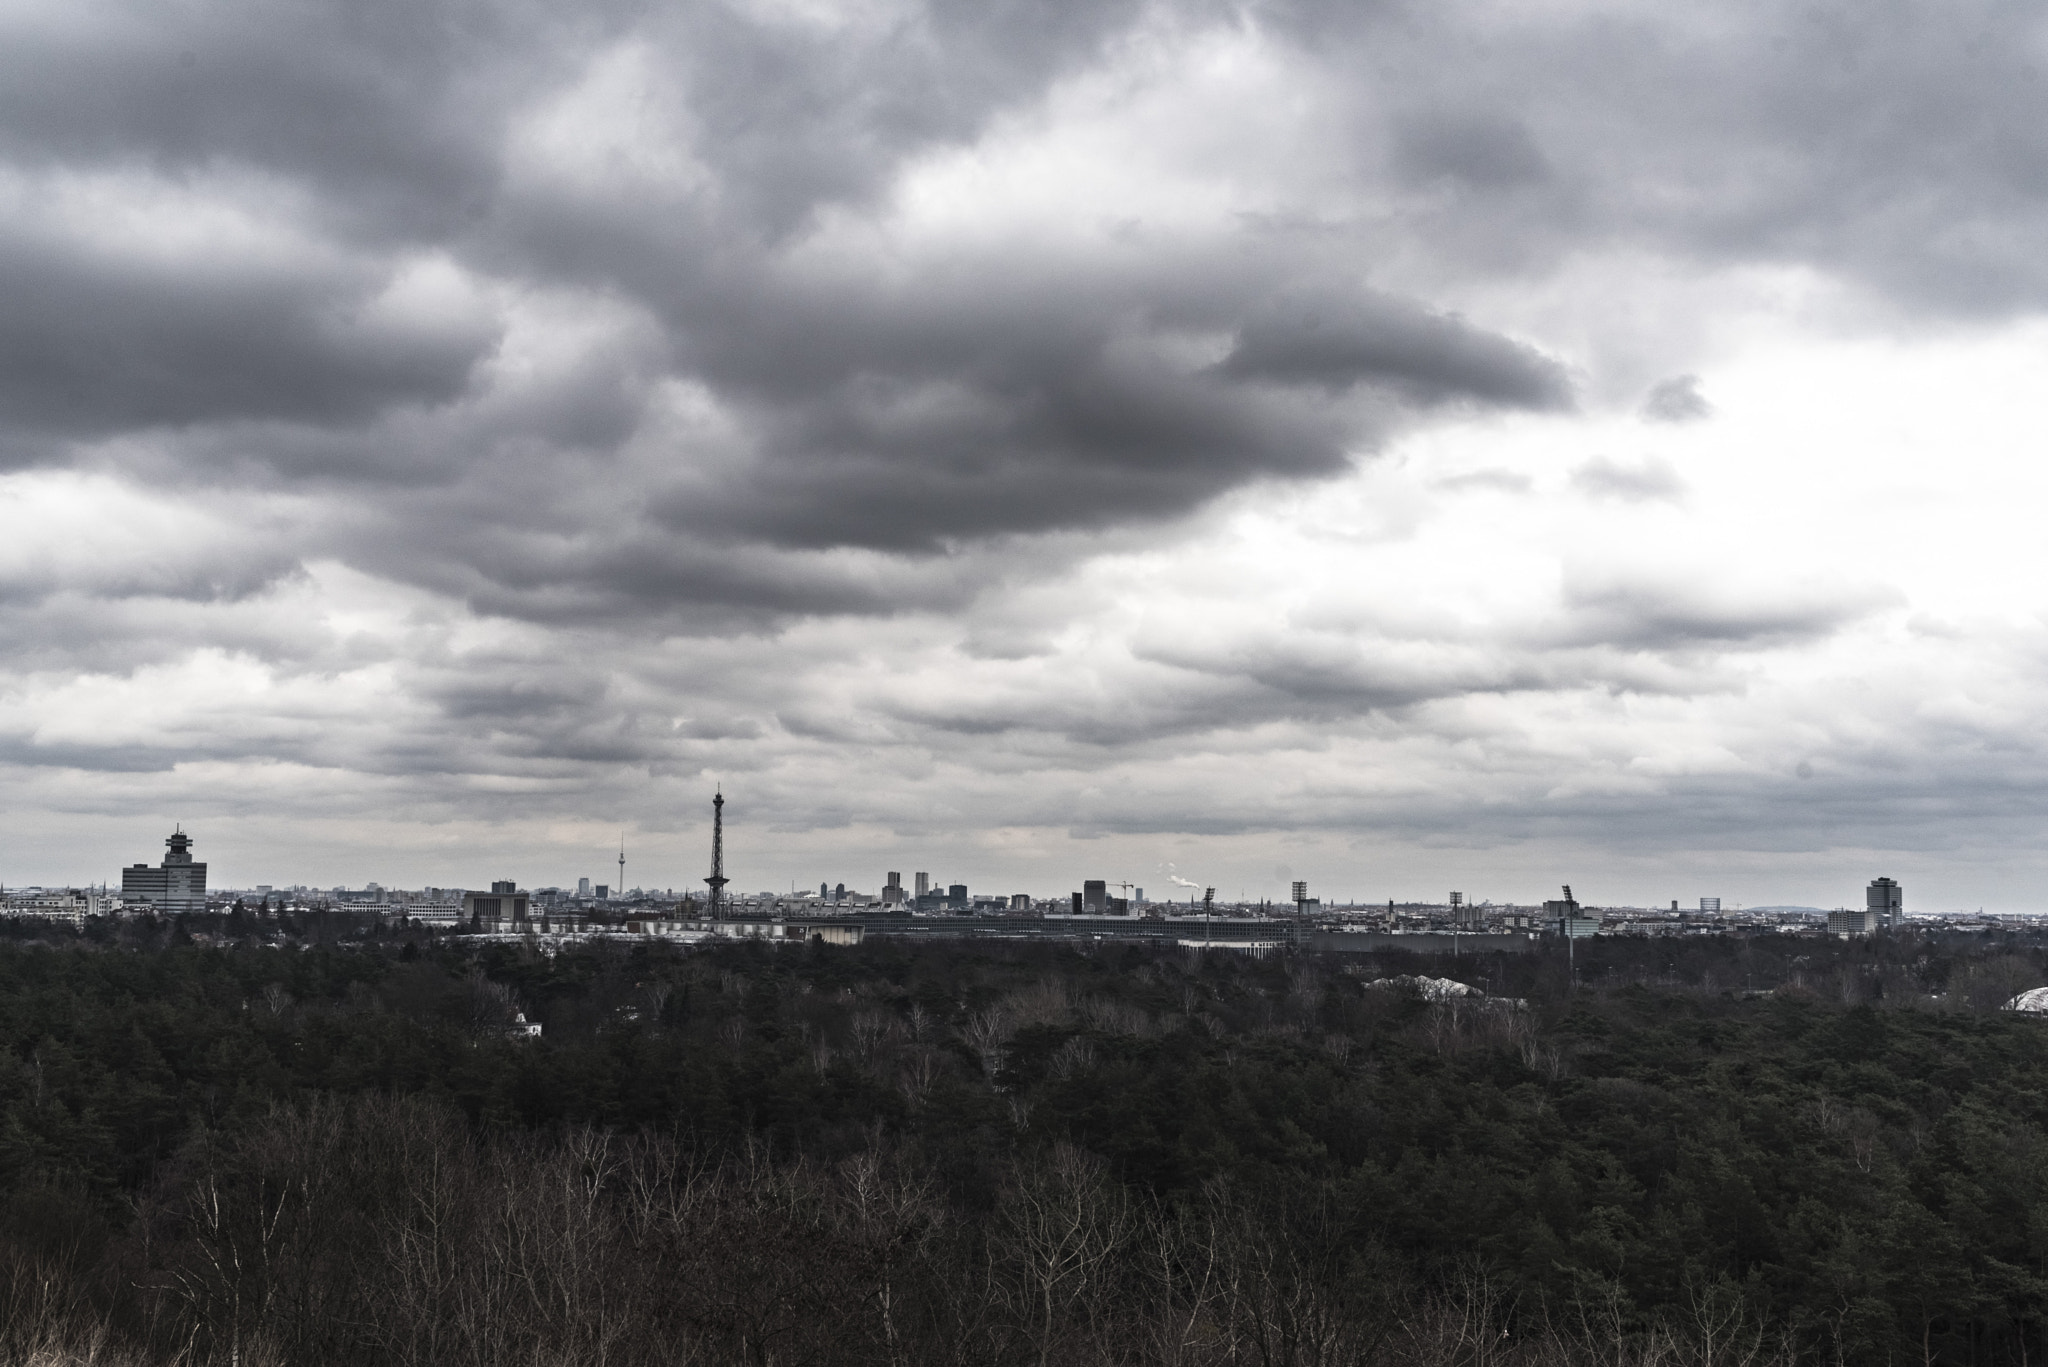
[(609, 345), (1000, 395)]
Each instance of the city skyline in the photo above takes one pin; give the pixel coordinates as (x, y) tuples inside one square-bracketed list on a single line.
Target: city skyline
[(1169, 886), (1452, 446)]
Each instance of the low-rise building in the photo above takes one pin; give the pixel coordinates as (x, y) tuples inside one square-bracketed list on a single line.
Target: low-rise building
[(69, 906)]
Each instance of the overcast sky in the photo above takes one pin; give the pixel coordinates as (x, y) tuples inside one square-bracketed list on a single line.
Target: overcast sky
[(1402, 446)]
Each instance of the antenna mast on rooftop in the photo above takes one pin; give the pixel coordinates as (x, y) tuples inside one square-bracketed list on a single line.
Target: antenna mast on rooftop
[(717, 880)]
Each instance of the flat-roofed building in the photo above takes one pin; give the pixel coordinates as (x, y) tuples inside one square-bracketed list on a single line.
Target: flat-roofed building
[(69, 905), (178, 884), (503, 905), (1845, 923)]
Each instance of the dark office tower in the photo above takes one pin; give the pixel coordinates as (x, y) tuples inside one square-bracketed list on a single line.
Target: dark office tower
[(824, 892), (956, 896), (1886, 904), (178, 884), (1095, 894), (717, 880), (892, 891), (839, 892)]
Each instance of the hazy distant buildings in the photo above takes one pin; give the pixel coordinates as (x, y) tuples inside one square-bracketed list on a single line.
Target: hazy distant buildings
[(583, 888), (1094, 896), (1710, 906), (70, 905), (892, 891), (178, 884), (1565, 915)]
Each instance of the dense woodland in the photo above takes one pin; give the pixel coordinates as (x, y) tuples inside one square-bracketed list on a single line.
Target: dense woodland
[(235, 1141)]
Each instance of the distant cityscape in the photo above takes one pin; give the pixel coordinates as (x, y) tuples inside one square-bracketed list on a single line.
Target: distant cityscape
[(838, 913)]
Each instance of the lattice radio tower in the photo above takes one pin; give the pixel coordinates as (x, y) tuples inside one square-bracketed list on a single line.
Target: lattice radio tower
[(717, 880)]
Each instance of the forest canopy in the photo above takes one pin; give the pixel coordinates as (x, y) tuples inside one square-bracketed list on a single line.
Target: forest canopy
[(329, 1142)]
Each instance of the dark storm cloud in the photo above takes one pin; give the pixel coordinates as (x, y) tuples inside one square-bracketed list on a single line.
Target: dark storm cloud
[(1475, 147), (91, 346), (1012, 397), (1428, 358), (1649, 616), (1902, 148), (1009, 443), (390, 113), (988, 399), (793, 117)]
